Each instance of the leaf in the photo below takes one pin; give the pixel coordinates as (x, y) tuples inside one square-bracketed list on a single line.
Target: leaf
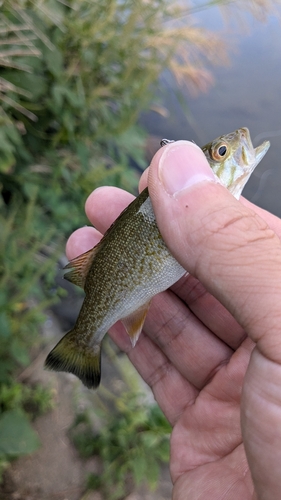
[(139, 467), (6, 162), (19, 351), (54, 60), (16, 434), (153, 471), (4, 326), (28, 81), (5, 365), (151, 439)]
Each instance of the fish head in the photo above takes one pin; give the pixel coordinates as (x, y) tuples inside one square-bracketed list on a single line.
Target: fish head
[(233, 158)]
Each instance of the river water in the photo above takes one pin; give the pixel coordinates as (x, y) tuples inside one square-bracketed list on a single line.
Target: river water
[(246, 92)]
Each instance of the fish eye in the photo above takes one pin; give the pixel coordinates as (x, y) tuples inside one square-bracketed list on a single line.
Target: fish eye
[(219, 152), (222, 150)]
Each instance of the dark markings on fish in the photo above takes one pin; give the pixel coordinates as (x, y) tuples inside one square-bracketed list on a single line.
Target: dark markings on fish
[(82, 361)]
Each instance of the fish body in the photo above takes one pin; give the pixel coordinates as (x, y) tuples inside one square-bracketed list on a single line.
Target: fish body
[(132, 263)]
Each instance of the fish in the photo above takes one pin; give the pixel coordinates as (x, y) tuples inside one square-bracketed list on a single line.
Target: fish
[(131, 264)]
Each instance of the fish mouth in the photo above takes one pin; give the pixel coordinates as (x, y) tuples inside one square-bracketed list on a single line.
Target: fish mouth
[(261, 150), (246, 141)]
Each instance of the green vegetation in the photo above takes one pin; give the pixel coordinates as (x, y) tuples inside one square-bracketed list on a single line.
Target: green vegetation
[(128, 435), (74, 77), (25, 260), (132, 444), (80, 74)]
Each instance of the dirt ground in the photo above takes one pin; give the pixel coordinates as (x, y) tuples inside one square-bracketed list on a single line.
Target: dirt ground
[(55, 471)]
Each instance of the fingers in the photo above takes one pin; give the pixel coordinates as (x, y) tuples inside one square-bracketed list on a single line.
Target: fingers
[(105, 204), (81, 241), (237, 257), (210, 429), (229, 248), (210, 311), (195, 352), (187, 345), (261, 422), (102, 208), (180, 341), (143, 180), (171, 390), (176, 355), (273, 222)]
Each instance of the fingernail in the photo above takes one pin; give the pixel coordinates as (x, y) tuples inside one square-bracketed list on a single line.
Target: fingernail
[(182, 165)]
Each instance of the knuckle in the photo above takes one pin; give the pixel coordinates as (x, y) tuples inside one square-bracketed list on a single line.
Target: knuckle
[(234, 238), (237, 228)]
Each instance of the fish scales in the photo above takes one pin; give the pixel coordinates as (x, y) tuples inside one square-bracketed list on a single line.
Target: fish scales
[(132, 263), (142, 249)]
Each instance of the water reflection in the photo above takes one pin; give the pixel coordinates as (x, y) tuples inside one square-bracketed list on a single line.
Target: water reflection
[(246, 93)]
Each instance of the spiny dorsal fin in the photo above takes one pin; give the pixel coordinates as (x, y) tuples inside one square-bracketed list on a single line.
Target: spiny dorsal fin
[(80, 267), (134, 322)]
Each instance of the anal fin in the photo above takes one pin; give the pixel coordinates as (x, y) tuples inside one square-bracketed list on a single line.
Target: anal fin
[(134, 322)]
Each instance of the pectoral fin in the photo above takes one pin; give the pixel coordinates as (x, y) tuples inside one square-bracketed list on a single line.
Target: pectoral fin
[(134, 322), (80, 267)]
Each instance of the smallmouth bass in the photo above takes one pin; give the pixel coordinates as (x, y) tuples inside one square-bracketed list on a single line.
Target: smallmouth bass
[(132, 263)]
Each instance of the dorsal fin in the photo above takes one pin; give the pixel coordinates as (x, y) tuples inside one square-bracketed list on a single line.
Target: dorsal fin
[(134, 322), (80, 267)]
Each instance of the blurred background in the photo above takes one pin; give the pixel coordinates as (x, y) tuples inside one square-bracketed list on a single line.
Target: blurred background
[(87, 90)]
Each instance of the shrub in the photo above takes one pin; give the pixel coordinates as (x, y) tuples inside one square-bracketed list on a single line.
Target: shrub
[(24, 260), (74, 77), (73, 83), (130, 436)]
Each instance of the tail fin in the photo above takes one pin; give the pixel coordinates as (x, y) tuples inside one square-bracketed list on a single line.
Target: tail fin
[(82, 361)]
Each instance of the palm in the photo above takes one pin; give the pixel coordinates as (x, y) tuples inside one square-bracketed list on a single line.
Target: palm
[(196, 374), (206, 443), (194, 356)]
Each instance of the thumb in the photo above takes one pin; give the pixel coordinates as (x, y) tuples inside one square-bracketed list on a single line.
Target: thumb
[(237, 257), (223, 243)]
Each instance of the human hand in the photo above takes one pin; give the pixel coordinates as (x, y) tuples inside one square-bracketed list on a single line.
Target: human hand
[(198, 337)]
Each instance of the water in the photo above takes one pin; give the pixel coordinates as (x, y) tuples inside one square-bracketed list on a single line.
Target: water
[(247, 92)]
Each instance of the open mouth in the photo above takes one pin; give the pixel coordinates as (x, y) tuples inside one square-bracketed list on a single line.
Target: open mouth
[(248, 149)]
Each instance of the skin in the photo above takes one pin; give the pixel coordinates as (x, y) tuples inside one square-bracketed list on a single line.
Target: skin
[(211, 346)]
